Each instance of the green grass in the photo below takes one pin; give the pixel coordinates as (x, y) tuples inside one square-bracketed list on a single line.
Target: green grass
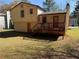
[(16, 47), (73, 33)]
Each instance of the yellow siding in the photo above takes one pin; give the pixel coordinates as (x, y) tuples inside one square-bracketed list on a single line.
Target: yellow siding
[(19, 26)]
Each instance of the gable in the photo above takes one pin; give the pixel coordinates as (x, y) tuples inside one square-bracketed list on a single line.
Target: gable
[(38, 7)]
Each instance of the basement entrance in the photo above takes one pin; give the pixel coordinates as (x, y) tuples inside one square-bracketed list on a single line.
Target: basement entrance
[(28, 27)]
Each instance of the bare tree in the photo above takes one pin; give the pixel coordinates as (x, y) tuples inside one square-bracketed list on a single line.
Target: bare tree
[(50, 5), (20, 1), (77, 11)]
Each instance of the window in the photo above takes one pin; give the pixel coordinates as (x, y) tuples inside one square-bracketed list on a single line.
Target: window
[(22, 13), (55, 21), (44, 20), (31, 11)]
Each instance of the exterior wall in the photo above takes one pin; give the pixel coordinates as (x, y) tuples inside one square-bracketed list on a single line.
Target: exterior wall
[(50, 18), (20, 24), (2, 22)]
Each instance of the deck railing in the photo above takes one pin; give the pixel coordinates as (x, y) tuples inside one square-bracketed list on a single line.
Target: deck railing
[(48, 27)]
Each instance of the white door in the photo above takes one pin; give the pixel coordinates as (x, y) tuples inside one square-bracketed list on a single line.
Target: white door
[(2, 22)]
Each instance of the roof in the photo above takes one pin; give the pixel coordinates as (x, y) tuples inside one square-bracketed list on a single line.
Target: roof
[(12, 7), (53, 12)]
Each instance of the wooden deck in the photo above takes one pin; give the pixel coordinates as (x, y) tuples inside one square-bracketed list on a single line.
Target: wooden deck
[(48, 28)]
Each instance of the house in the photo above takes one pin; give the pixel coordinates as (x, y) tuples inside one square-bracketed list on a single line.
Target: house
[(27, 17), (5, 14), (24, 16), (5, 20), (5, 17), (73, 21)]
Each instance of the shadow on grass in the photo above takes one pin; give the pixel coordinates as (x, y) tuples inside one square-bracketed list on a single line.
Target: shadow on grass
[(7, 34)]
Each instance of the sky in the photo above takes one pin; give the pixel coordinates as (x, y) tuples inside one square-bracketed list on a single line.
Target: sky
[(61, 3)]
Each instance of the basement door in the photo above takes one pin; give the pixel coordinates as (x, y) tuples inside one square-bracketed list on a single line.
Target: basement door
[(28, 27)]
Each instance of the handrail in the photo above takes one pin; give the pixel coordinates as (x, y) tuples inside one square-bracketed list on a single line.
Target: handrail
[(35, 26), (47, 26)]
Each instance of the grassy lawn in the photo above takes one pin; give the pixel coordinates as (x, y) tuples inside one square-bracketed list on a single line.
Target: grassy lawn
[(14, 45), (73, 33)]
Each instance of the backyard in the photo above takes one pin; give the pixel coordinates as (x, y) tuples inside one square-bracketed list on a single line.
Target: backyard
[(15, 45)]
